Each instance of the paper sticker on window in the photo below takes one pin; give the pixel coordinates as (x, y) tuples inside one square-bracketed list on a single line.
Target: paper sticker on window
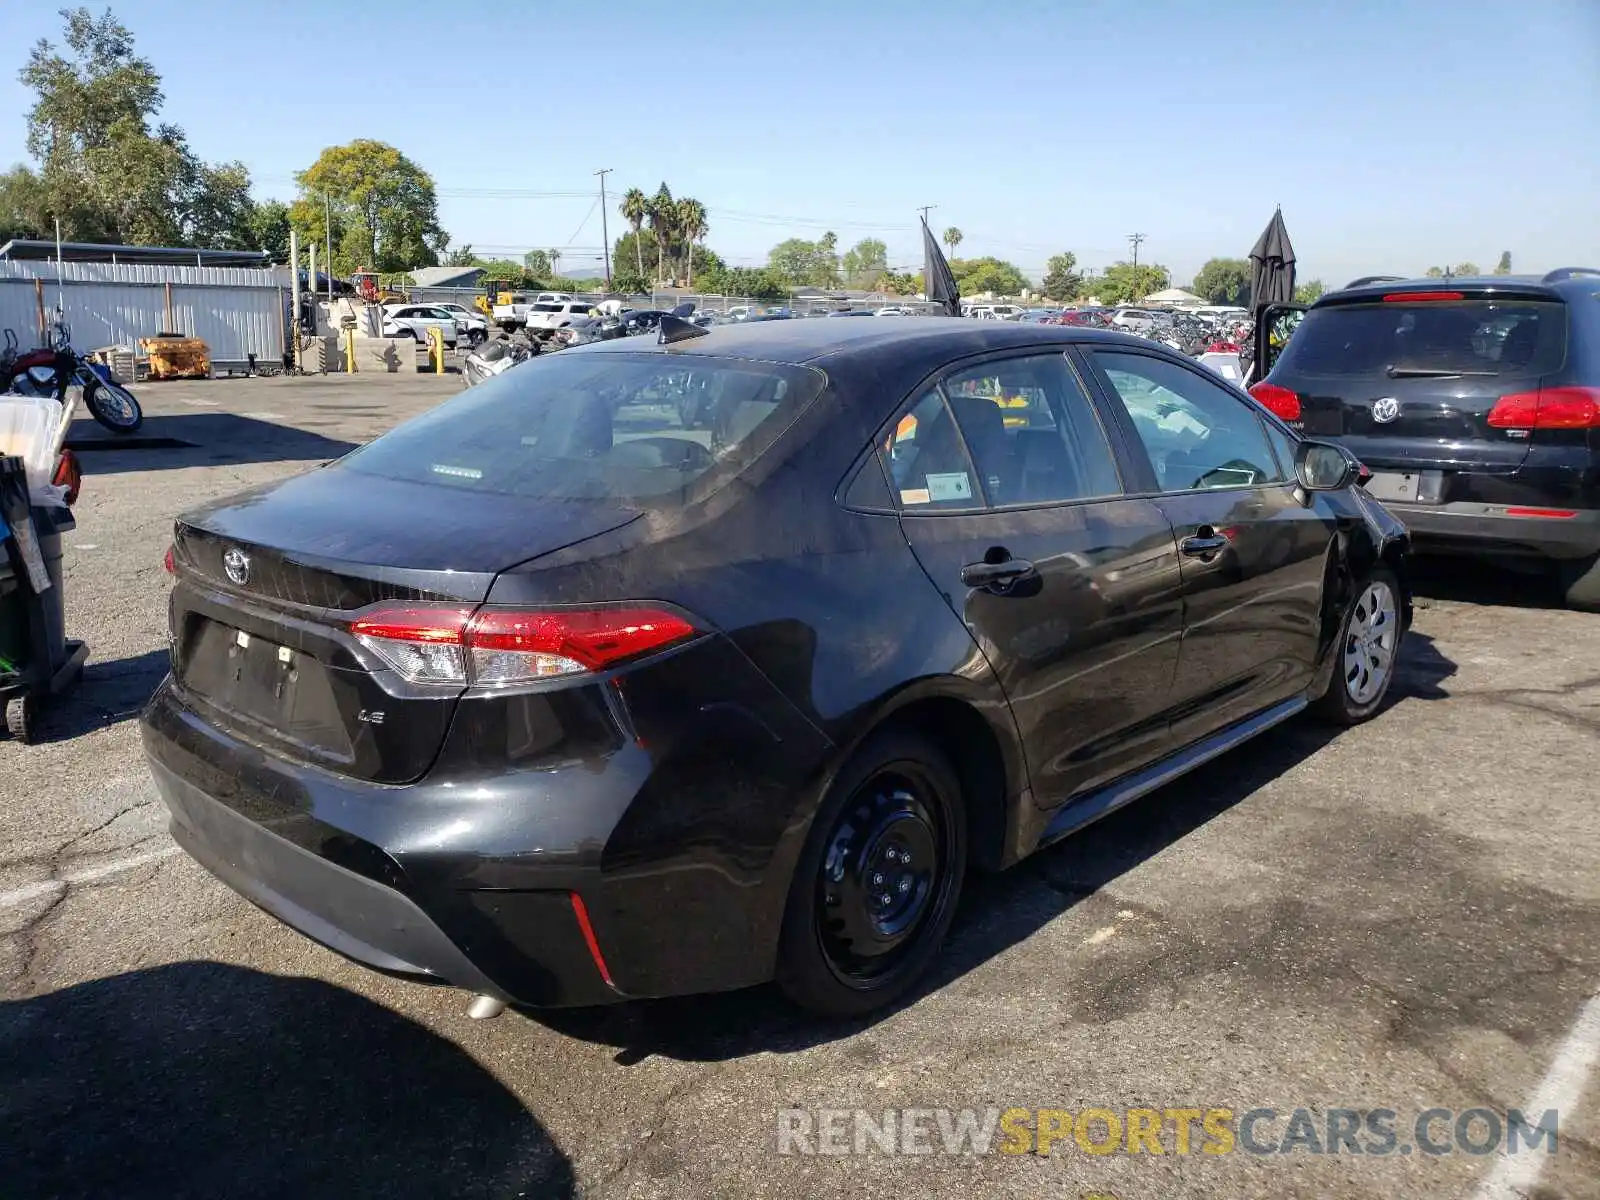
[(915, 496), (950, 485)]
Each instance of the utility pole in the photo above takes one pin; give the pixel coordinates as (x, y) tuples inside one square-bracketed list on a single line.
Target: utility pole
[(1134, 240), (605, 235), (924, 210), (327, 229)]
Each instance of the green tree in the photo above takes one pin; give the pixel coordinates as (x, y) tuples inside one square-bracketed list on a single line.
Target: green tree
[(1061, 278), (1434, 272), (1466, 268), (1503, 267), (865, 262), (663, 217), (952, 238), (746, 282), (1223, 281), (904, 283), (1309, 293), (628, 282), (24, 205), (635, 208), (1123, 283), (386, 207), (987, 275), (269, 229), (791, 260), (691, 224), (105, 170), (537, 264)]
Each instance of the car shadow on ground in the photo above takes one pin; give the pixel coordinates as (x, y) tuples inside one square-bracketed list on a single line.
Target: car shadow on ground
[(200, 439), (1483, 582), (997, 911), (216, 1080), (108, 693)]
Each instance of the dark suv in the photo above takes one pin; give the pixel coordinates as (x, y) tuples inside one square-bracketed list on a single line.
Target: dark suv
[(1474, 401)]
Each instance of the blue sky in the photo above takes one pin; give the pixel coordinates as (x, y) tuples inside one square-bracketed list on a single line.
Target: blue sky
[(1395, 135)]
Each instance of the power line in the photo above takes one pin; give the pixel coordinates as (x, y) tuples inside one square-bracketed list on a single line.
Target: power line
[(1135, 240)]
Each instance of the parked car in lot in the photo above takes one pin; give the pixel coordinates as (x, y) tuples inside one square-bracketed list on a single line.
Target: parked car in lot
[(1135, 320), (544, 316), (648, 669), (1475, 402), (414, 321), (470, 325)]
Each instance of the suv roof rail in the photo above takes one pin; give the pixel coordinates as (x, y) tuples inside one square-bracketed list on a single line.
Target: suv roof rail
[(1366, 279), (1561, 273)]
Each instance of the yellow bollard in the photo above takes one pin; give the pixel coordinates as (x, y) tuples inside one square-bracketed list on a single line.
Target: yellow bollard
[(350, 350), (436, 349)]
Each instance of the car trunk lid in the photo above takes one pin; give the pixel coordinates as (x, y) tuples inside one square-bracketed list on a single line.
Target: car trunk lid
[(270, 580)]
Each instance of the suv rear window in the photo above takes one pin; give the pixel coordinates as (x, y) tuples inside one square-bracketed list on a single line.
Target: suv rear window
[(612, 426), (1469, 337)]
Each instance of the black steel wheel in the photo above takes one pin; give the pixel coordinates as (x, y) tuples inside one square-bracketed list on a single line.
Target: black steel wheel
[(876, 887), (20, 712)]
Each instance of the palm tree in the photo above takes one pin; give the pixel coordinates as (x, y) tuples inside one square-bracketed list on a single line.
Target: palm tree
[(635, 208), (663, 216), (952, 239), (555, 257), (692, 227)]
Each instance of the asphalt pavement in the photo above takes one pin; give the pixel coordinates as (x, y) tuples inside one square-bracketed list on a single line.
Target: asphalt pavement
[(1403, 916)]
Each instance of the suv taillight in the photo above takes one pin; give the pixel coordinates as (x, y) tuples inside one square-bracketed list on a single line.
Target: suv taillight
[(432, 643), (1548, 408), (1279, 401)]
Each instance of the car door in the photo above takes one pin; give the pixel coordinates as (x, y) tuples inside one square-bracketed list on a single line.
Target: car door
[(1253, 550), (1012, 499)]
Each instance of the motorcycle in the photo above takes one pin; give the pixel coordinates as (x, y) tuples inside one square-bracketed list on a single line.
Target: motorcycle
[(51, 370), (496, 358)]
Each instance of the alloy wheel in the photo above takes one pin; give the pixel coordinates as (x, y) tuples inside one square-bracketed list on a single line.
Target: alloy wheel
[(1370, 641)]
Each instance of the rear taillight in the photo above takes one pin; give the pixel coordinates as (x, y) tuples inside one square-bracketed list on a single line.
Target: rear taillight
[(428, 643), (69, 475), (1279, 401), (169, 562), (1420, 297), (1548, 408)]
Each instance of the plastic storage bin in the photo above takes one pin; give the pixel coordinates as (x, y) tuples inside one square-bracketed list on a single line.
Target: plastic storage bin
[(28, 426)]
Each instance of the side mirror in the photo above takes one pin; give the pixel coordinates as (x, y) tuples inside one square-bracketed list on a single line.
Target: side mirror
[(1324, 466), (1274, 325)]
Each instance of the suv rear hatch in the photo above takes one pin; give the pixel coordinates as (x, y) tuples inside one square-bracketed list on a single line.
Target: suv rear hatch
[(1408, 379)]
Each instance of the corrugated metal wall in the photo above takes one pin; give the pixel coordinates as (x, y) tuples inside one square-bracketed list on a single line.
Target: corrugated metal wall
[(237, 310)]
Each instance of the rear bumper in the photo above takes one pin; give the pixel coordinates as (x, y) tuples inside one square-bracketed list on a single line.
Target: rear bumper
[(1501, 529)]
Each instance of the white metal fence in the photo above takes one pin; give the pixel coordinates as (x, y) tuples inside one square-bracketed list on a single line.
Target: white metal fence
[(238, 311)]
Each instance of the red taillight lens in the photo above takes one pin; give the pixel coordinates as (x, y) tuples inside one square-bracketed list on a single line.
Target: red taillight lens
[(442, 644), (1548, 408), (1279, 401), (169, 563), (1420, 297)]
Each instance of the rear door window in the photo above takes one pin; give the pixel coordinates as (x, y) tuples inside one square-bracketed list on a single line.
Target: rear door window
[(1433, 338), (611, 426)]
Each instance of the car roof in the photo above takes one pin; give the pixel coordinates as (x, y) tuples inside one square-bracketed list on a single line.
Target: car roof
[(922, 345)]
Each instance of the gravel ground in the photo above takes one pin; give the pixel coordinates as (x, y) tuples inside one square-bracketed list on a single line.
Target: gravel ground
[(1402, 916)]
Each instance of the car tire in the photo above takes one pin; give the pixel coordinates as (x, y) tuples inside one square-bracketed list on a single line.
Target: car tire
[(893, 819), (1580, 583), (1366, 652)]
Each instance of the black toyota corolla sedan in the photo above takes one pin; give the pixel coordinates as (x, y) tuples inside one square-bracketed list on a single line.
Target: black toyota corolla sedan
[(675, 666)]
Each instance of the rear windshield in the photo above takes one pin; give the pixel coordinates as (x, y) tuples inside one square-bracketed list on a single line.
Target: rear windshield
[(1470, 337), (546, 307), (612, 426)]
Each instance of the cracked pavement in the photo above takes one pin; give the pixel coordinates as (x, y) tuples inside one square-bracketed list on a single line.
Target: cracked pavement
[(1402, 915)]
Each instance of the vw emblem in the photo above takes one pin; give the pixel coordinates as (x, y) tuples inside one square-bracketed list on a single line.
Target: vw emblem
[(237, 564), (1385, 410)]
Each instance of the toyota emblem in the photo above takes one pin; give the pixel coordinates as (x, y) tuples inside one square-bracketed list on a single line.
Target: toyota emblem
[(1385, 410), (237, 564)]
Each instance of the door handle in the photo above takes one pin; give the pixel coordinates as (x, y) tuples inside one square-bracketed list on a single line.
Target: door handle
[(1203, 543), (997, 574)]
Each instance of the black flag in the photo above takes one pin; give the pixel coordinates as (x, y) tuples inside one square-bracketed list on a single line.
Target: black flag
[(939, 285)]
